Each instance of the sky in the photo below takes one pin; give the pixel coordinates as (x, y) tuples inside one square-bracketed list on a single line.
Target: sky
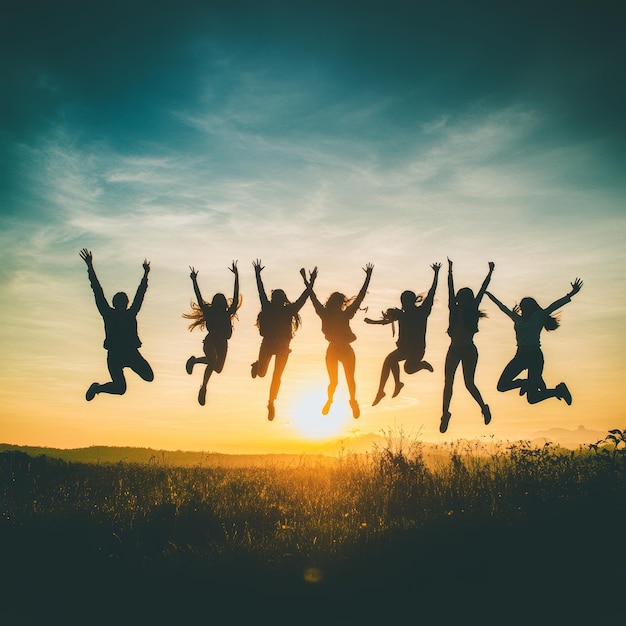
[(306, 134)]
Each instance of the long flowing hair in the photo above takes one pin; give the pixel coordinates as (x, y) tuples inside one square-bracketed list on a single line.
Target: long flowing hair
[(197, 315), (527, 306), (340, 299), (464, 307), (262, 319)]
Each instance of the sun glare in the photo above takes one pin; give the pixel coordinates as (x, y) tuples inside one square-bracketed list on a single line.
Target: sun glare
[(306, 414)]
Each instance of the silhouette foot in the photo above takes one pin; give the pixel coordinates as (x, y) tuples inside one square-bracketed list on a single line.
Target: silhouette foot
[(487, 414), (254, 369), (356, 411), (425, 365), (191, 361), (270, 411), (445, 419), (202, 396), (397, 389), (379, 396), (326, 407), (522, 389), (563, 393), (91, 392)]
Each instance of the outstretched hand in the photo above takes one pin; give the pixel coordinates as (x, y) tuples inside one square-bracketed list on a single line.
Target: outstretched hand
[(194, 273), (146, 266), (492, 266), (312, 276), (86, 256), (368, 269), (449, 263), (233, 268), (576, 285), (436, 267), (258, 268)]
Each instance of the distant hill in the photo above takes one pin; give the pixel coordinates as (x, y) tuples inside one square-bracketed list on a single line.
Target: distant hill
[(167, 458), (326, 452), (568, 438)]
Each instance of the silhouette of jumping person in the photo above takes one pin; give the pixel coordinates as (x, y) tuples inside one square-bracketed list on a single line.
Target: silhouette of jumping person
[(462, 326), (120, 328), (412, 320), (336, 315), (529, 319), (216, 318), (278, 321)]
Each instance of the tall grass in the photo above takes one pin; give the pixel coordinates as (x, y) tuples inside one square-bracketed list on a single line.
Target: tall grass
[(154, 512)]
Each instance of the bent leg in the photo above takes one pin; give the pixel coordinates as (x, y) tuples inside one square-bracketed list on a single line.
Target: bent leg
[(537, 390), (415, 363), (508, 380), (117, 386), (141, 367), (390, 365), (211, 359), (265, 356)]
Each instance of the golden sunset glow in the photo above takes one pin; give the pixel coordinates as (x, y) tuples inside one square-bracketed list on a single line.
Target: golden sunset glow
[(303, 151), (308, 421), (211, 213)]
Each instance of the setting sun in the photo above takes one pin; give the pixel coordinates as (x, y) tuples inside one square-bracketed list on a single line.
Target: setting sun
[(306, 414)]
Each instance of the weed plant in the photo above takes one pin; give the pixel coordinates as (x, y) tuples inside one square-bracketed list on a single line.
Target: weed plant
[(149, 513)]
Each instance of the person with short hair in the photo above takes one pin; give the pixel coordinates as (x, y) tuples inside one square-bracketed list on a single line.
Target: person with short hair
[(120, 327)]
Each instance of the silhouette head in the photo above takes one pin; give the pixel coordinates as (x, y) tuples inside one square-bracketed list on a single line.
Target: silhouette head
[(528, 306), (279, 297), (219, 301), (120, 301), (465, 297), (335, 301), (408, 299)]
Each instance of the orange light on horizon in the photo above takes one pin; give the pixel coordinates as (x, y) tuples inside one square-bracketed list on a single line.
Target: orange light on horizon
[(305, 414)]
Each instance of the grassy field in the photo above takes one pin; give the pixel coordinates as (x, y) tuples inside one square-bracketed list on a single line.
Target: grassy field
[(501, 533)]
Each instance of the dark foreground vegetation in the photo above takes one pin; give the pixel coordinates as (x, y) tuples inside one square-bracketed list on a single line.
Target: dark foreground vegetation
[(499, 534)]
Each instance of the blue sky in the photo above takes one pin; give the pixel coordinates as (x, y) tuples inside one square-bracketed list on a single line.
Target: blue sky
[(328, 134)]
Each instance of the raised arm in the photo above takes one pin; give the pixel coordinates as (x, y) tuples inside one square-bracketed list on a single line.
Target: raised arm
[(317, 305), (451, 292), (353, 308), (101, 301), (387, 317), (196, 288), (258, 268), (299, 303), (483, 287), (383, 320), (514, 316), (430, 296), (235, 303), (141, 290), (557, 304)]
